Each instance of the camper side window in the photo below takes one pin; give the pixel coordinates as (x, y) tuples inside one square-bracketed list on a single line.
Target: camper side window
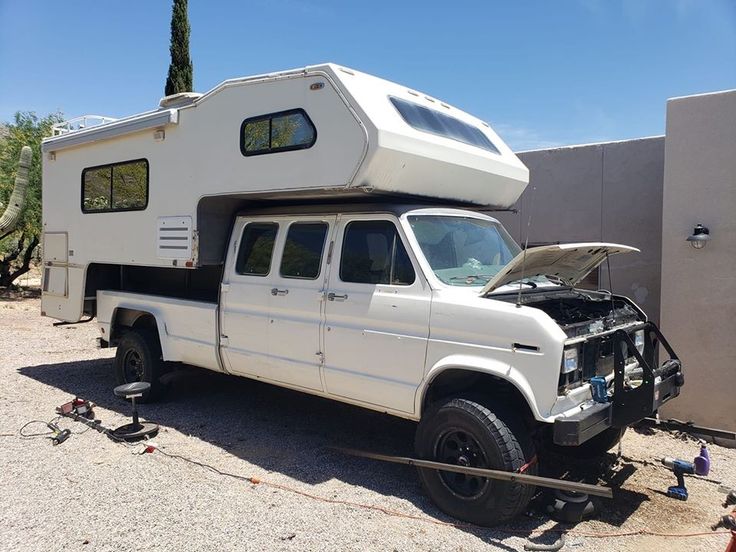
[(115, 187), (277, 132)]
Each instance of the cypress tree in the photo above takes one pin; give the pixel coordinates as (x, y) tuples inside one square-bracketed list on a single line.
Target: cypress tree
[(180, 69)]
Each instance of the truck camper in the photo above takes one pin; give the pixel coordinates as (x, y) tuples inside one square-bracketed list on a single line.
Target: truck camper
[(328, 231)]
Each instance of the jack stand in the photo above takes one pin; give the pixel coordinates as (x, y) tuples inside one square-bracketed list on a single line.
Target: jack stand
[(570, 507), (137, 430)]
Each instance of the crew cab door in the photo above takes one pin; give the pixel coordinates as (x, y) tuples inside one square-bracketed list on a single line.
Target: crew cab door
[(246, 297), (296, 313), (377, 315), (272, 301)]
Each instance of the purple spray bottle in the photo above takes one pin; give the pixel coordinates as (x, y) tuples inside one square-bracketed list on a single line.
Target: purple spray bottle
[(702, 461)]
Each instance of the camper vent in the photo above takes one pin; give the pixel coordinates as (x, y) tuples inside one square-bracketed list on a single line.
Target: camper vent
[(178, 100), (174, 237)]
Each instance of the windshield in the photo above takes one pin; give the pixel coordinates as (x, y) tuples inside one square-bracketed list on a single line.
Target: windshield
[(463, 251)]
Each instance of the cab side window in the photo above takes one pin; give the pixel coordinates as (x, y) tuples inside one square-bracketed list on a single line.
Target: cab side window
[(256, 249), (372, 253), (303, 249)]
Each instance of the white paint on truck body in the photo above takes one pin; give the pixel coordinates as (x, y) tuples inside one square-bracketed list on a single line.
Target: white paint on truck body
[(378, 342), (380, 347), (362, 144)]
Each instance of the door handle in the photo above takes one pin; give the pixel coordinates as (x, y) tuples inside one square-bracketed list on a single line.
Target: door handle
[(336, 297), (277, 291)]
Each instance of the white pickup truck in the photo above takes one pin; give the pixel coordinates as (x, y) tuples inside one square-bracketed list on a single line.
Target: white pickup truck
[(432, 314), (321, 229)]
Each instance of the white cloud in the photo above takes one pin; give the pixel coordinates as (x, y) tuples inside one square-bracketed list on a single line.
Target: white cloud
[(522, 138)]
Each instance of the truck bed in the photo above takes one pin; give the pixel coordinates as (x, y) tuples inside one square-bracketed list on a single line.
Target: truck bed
[(188, 329)]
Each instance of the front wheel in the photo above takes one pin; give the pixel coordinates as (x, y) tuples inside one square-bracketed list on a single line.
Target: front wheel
[(466, 433), (139, 358)]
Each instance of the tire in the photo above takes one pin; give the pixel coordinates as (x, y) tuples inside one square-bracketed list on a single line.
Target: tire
[(595, 446), (139, 358), (463, 431)]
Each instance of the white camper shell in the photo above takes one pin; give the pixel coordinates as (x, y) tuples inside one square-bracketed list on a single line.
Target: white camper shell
[(198, 175), (323, 230)]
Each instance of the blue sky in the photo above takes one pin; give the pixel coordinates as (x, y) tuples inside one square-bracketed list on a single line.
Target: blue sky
[(543, 73)]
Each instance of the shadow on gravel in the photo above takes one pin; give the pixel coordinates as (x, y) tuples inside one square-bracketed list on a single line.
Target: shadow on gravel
[(8, 295), (289, 432)]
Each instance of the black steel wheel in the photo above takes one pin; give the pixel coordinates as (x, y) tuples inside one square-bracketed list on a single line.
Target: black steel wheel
[(464, 432), (139, 358), (133, 366), (460, 448)]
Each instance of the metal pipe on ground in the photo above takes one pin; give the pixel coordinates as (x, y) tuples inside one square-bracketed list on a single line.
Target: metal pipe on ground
[(548, 482)]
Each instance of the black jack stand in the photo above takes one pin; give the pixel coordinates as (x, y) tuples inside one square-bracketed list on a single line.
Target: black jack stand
[(137, 430)]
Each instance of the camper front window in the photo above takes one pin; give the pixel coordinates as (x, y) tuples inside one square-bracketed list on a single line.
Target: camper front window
[(441, 124), (277, 132)]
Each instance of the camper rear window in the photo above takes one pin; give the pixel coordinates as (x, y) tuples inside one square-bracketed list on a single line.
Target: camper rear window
[(441, 124), (115, 187), (277, 132)]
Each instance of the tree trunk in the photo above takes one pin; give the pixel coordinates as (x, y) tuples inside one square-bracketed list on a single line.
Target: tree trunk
[(9, 272)]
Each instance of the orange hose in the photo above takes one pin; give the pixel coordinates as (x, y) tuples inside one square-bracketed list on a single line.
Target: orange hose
[(425, 519)]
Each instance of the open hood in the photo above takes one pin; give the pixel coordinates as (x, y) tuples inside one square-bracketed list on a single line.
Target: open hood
[(570, 262)]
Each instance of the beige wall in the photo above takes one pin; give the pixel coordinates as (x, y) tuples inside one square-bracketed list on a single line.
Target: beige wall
[(650, 193), (698, 312), (599, 192)]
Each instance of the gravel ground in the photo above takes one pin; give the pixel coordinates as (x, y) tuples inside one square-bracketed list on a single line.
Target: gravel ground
[(93, 494)]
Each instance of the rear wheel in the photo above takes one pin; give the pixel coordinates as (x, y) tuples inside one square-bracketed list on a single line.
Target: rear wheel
[(466, 433), (138, 358)]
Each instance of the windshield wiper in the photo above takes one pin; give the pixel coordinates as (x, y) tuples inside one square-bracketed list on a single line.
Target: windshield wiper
[(472, 278), (527, 282)]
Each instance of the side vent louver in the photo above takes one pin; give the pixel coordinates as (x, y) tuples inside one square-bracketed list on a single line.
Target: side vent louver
[(174, 237)]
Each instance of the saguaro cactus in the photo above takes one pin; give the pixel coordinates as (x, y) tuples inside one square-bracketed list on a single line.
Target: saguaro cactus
[(10, 217)]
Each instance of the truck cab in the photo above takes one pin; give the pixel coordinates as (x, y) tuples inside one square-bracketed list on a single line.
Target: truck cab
[(429, 313)]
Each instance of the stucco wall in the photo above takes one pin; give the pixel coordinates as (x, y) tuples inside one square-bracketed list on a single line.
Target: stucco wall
[(600, 192), (698, 312)]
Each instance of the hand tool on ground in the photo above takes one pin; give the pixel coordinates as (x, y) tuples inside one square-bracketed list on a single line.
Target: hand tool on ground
[(699, 466)]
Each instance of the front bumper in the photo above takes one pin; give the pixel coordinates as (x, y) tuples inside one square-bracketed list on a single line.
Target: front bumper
[(627, 405)]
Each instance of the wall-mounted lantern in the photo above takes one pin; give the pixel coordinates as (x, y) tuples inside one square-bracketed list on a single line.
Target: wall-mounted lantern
[(699, 237)]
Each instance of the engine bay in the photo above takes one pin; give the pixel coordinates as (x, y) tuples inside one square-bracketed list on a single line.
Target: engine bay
[(581, 312)]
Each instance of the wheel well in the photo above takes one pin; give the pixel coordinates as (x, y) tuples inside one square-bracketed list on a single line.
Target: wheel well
[(457, 381), (126, 319)]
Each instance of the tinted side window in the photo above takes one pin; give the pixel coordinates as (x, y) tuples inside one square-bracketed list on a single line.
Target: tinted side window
[(276, 132), (256, 249), (372, 253), (115, 187), (302, 256), (96, 189), (129, 186)]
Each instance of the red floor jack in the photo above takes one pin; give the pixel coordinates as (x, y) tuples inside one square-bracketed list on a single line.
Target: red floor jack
[(729, 521)]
